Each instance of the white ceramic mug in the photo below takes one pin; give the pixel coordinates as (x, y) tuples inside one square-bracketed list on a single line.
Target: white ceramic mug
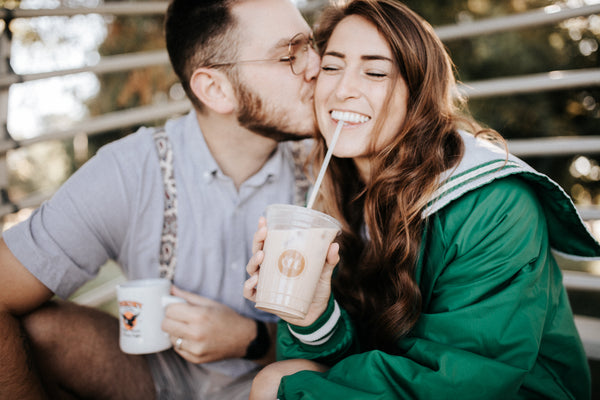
[(141, 312)]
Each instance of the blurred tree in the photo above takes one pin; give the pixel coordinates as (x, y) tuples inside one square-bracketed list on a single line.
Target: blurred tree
[(120, 91), (572, 44)]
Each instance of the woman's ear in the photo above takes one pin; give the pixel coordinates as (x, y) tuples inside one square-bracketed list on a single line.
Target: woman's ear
[(214, 89)]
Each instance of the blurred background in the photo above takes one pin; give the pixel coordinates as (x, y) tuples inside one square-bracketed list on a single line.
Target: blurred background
[(76, 74), (43, 44)]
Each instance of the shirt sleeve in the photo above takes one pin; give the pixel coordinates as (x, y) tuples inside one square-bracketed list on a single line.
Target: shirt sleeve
[(68, 238), (492, 298), (329, 339)]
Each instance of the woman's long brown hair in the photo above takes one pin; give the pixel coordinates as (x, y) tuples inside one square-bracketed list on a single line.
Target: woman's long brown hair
[(382, 223)]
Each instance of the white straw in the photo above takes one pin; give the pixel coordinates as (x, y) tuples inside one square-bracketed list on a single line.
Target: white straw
[(313, 194)]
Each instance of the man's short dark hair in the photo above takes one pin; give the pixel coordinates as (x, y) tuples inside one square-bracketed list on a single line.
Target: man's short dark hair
[(199, 33)]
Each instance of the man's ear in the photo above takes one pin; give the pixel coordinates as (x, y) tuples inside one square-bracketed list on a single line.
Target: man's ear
[(213, 88)]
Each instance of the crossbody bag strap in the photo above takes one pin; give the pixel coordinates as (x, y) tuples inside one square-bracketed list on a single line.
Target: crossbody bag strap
[(168, 242)]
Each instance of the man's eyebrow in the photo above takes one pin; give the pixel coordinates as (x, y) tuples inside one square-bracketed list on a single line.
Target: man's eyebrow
[(366, 57), (282, 43), (275, 49)]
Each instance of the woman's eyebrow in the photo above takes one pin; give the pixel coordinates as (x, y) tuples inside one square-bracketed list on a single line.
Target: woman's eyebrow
[(376, 57), (367, 57), (334, 54)]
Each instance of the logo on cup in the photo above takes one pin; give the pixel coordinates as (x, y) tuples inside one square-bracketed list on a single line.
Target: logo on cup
[(129, 310), (291, 263), (129, 320)]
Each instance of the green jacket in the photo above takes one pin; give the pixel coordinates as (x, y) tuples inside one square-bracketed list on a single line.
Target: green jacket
[(496, 321)]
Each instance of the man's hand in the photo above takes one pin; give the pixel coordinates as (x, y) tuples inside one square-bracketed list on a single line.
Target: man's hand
[(210, 331)]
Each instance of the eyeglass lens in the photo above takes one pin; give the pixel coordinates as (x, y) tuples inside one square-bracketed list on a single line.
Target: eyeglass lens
[(298, 51)]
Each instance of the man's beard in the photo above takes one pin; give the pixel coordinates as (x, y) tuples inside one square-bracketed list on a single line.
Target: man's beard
[(253, 116)]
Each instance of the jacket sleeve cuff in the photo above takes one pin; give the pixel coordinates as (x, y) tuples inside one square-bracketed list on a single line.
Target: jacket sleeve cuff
[(322, 329)]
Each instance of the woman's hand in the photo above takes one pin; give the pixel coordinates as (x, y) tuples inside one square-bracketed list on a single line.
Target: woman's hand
[(258, 242), (322, 293)]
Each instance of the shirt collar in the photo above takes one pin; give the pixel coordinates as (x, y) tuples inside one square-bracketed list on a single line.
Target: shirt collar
[(206, 163), (203, 157), (272, 168)]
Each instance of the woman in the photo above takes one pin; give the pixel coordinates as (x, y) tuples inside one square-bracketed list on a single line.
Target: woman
[(446, 287)]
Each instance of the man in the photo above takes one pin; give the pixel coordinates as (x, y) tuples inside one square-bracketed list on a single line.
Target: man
[(250, 77)]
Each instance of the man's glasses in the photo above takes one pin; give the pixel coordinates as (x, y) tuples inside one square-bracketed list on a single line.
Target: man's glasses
[(297, 55)]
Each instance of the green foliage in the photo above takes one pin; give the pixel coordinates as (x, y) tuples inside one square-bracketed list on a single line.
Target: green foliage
[(521, 52), (121, 91), (570, 45)]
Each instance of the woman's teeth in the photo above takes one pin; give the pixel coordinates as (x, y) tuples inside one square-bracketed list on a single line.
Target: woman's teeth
[(349, 117)]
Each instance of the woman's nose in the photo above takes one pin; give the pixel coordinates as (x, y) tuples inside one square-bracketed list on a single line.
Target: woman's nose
[(347, 87)]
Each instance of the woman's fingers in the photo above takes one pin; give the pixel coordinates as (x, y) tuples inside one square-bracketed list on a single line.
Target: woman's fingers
[(259, 235), (250, 288), (253, 268), (254, 263), (333, 255)]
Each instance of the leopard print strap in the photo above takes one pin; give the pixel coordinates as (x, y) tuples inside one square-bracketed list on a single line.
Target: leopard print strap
[(168, 243)]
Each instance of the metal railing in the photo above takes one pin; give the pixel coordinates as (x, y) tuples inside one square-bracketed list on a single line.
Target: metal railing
[(545, 16), (552, 80), (494, 87)]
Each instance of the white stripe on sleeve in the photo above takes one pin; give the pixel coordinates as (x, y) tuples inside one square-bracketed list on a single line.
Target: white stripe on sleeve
[(322, 334)]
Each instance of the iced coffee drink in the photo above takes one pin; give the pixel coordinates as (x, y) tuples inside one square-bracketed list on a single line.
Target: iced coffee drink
[(295, 250)]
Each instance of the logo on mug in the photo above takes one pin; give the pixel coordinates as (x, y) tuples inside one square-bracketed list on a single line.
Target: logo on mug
[(291, 263), (129, 320), (129, 310)]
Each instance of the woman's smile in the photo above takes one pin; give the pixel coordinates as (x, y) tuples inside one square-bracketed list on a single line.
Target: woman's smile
[(349, 117), (359, 84)]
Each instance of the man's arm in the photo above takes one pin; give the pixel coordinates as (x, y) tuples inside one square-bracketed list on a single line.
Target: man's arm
[(270, 355), (20, 292)]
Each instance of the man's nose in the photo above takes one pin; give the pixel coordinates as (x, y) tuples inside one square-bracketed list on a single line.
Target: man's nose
[(314, 65)]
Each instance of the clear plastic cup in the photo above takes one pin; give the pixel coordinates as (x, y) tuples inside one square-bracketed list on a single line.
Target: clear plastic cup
[(295, 250)]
